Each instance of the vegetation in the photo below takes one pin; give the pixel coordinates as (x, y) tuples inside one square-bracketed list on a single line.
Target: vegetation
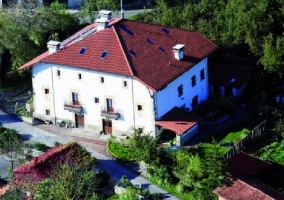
[(234, 137), (11, 146), (41, 146), (187, 174), (132, 192), (70, 182), (21, 111)]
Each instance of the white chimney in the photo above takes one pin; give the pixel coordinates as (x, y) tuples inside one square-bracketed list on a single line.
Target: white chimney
[(179, 51), (105, 14), (53, 46), (101, 23)]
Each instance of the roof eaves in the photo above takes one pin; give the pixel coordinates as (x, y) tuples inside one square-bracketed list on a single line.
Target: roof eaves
[(123, 52), (145, 84)]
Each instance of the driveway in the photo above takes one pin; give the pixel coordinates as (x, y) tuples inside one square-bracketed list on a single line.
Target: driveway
[(116, 170)]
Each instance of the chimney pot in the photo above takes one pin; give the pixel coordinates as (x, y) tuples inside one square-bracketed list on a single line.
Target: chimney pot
[(178, 51)]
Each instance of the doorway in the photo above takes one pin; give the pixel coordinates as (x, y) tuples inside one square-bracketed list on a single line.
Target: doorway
[(107, 126), (79, 120)]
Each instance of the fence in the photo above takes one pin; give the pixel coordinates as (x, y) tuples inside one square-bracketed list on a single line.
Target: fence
[(258, 131)]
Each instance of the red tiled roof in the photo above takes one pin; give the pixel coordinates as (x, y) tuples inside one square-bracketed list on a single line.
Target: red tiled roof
[(40, 167), (115, 61), (243, 164), (240, 190), (155, 68), (178, 120)]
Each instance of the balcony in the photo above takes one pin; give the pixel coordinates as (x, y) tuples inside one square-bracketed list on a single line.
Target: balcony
[(110, 113), (73, 106)]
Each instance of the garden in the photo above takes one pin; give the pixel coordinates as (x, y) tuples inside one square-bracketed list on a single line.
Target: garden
[(187, 174)]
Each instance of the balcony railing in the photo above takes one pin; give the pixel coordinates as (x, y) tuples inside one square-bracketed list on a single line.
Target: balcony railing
[(73, 106), (110, 113)]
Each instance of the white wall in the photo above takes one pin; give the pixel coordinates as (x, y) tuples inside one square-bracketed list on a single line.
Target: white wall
[(42, 79), (167, 98), (188, 135), (88, 88)]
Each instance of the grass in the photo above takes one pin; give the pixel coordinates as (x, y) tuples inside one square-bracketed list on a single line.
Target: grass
[(236, 136)]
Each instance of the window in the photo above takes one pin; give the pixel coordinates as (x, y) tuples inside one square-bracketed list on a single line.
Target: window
[(180, 90), (58, 73), (202, 74), (124, 83), (80, 76), (46, 91), (102, 79), (194, 101), (139, 107), (47, 112), (75, 98), (193, 81), (97, 100)]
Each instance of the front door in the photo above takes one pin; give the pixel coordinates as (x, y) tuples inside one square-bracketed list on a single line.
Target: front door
[(79, 120), (107, 126)]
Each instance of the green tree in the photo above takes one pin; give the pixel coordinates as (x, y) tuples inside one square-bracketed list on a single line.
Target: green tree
[(11, 146), (69, 182), (25, 28)]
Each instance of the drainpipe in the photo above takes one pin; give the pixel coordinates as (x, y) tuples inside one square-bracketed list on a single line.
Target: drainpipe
[(133, 104), (53, 94)]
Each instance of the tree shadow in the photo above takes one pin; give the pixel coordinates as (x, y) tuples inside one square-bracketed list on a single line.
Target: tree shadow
[(5, 119), (116, 170)]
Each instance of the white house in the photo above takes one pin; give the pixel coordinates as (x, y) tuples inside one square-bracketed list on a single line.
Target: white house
[(116, 75)]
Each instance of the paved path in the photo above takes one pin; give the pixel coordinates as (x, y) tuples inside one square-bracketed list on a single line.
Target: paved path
[(116, 170)]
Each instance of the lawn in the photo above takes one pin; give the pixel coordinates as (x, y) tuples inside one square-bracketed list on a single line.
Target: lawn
[(235, 136)]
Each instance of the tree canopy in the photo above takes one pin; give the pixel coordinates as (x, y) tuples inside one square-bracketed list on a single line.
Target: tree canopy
[(25, 29)]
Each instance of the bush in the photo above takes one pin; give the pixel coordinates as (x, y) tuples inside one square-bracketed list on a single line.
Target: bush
[(41, 146), (21, 111), (30, 100), (56, 143)]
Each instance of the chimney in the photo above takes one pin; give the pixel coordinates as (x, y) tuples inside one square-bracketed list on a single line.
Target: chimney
[(179, 51), (53, 46), (101, 23), (105, 14)]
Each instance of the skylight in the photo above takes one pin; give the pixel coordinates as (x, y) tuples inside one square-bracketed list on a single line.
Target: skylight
[(162, 49), (104, 54), (166, 31), (132, 52), (127, 30), (82, 51), (150, 41)]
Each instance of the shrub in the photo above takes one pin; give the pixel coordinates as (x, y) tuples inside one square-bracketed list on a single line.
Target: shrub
[(30, 100), (56, 143), (41, 146)]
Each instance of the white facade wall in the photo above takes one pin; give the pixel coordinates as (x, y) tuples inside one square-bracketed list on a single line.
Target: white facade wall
[(168, 98), (125, 99)]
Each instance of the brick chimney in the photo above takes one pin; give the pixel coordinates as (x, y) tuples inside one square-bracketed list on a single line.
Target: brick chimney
[(53, 46), (179, 51)]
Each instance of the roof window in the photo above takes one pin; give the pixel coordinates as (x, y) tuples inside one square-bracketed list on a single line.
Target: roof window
[(132, 52), (82, 51), (165, 30), (104, 54), (127, 30)]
